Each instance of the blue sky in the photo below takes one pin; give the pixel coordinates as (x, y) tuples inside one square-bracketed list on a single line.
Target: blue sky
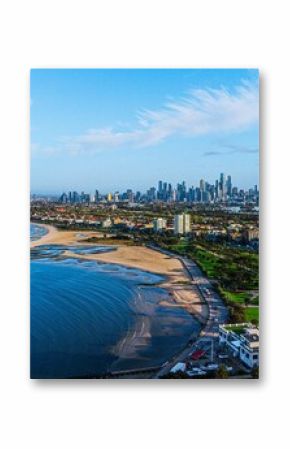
[(116, 129)]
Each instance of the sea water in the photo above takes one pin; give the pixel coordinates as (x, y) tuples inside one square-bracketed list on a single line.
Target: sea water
[(89, 318)]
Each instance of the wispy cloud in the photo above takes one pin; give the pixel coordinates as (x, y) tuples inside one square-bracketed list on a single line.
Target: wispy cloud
[(200, 112), (227, 148)]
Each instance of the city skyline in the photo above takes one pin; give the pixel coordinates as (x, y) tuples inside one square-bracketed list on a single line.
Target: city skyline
[(112, 128), (155, 184), (222, 190)]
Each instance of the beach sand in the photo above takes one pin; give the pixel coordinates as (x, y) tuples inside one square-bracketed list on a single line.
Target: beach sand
[(56, 237), (183, 292)]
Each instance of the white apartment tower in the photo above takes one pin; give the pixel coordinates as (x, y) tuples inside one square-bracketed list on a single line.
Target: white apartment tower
[(159, 224), (182, 224)]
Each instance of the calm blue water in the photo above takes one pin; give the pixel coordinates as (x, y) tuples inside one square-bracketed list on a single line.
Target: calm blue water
[(37, 231), (88, 318)]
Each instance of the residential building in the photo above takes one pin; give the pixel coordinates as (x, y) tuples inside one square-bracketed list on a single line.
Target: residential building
[(182, 224), (159, 224), (107, 223), (242, 340)]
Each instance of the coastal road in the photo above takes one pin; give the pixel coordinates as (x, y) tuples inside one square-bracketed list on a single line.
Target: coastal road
[(217, 311)]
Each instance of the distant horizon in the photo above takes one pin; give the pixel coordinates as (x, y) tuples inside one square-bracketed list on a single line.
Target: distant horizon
[(113, 129)]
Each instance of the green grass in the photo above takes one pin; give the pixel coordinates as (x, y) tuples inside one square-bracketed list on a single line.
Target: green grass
[(252, 313), (239, 297), (237, 329), (255, 301), (234, 270)]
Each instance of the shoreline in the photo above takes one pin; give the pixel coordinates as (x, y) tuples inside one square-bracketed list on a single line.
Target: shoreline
[(182, 293), (51, 230), (56, 237), (177, 281)]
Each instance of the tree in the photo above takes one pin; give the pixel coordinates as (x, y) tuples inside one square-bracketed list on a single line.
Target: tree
[(222, 372), (255, 372), (255, 322)]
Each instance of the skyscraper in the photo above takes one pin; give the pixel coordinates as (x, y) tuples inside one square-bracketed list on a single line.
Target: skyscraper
[(229, 185)]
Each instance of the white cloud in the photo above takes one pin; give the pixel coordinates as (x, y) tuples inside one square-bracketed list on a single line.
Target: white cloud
[(200, 112), (229, 148)]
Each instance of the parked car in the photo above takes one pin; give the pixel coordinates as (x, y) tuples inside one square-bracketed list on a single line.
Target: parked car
[(212, 367), (196, 372)]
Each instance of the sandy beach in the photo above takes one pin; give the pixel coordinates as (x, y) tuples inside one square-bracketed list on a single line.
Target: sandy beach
[(182, 291), (56, 237)]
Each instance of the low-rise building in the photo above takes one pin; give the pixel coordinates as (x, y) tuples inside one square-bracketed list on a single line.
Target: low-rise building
[(242, 339), (107, 223)]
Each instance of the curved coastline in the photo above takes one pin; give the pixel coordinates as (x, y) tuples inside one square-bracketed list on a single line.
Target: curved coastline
[(51, 231), (155, 334), (146, 260)]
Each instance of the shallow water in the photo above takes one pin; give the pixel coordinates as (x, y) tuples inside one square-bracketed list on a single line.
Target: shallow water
[(36, 232), (88, 318)]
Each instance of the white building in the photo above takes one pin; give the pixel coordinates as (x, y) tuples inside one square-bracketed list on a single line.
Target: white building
[(182, 224), (243, 341), (159, 224), (107, 223)]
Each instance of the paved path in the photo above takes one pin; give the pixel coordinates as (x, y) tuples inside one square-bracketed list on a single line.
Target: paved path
[(217, 311)]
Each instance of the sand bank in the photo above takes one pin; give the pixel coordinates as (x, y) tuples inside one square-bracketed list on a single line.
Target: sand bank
[(177, 281), (183, 292)]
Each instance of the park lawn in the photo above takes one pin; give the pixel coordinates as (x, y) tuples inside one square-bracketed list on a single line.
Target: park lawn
[(236, 329), (252, 313), (236, 297), (181, 246), (207, 261)]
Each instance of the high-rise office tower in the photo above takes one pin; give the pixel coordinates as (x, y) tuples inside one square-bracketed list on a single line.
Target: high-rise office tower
[(222, 187), (216, 189), (63, 198), (130, 195), (75, 197), (229, 186)]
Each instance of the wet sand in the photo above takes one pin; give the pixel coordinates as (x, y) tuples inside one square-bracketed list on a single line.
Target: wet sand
[(182, 291)]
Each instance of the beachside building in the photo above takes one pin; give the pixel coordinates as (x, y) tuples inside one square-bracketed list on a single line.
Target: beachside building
[(242, 339)]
